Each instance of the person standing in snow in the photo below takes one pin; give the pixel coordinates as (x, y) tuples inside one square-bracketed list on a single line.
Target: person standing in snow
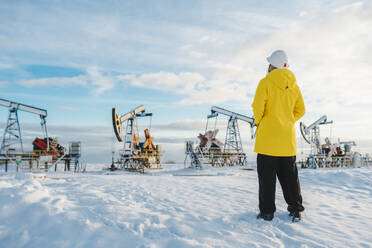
[(277, 105)]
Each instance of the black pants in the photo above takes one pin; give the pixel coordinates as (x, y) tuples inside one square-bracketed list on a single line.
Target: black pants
[(270, 167)]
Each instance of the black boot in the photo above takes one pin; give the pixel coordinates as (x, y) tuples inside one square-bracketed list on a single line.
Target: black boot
[(296, 216), (267, 217)]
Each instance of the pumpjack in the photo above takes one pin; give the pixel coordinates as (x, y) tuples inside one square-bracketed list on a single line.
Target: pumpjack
[(136, 155), (327, 154), (46, 151), (214, 152), (12, 138)]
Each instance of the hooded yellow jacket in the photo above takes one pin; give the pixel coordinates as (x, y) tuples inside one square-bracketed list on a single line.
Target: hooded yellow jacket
[(277, 105)]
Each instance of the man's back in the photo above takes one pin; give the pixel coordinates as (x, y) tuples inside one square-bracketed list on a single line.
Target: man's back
[(278, 104)]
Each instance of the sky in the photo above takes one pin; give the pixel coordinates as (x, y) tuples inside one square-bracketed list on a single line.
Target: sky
[(79, 59)]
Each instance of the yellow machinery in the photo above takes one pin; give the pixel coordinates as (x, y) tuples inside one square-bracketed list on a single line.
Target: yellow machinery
[(136, 155)]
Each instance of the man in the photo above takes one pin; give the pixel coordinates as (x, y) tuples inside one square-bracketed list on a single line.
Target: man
[(277, 105)]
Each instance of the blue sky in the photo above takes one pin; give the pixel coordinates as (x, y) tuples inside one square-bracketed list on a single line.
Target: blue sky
[(78, 59)]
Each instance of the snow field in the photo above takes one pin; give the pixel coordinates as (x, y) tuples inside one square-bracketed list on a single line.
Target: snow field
[(179, 207)]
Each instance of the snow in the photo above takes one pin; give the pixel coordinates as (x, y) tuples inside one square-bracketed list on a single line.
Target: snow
[(177, 207)]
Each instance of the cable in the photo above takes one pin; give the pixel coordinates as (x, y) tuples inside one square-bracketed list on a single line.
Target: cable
[(215, 123), (150, 123), (206, 126)]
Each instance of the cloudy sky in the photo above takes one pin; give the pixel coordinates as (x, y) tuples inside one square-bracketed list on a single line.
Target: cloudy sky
[(78, 59)]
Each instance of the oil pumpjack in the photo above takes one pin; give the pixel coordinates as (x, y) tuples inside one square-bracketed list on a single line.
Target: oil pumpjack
[(46, 151), (328, 154), (136, 155), (214, 152)]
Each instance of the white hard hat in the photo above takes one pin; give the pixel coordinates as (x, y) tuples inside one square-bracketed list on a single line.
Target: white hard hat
[(278, 59)]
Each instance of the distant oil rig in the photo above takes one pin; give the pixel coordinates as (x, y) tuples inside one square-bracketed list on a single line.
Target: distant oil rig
[(323, 155), (136, 155), (46, 152), (211, 151)]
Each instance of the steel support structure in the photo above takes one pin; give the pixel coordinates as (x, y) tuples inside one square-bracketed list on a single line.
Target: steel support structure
[(233, 140), (12, 133), (128, 137)]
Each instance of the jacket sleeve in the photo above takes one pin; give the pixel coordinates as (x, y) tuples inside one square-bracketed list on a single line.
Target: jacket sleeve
[(299, 109), (259, 102)]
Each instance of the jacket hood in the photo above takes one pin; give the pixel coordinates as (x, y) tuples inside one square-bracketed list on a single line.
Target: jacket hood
[(282, 78)]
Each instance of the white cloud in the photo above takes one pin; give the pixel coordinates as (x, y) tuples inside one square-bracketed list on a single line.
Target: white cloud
[(100, 82), (196, 54), (166, 81), (6, 66), (330, 53), (55, 81), (4, 84), (350, 7), (216, 91), (193, 87), (93, 79)]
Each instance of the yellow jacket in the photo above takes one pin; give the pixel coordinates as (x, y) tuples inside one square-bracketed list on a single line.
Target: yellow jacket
[(277, 105)]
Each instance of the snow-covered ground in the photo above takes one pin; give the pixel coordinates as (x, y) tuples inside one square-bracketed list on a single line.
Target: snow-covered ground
[(179, 207)]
